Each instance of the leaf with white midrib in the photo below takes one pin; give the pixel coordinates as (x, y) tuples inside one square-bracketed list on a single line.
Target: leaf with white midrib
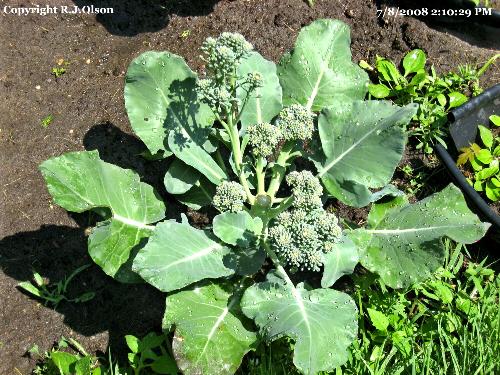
[(323, 322), (177, 255), (160, 96), (210, 334), (402, 242), (319, 70), (80, 181), (363, 142)]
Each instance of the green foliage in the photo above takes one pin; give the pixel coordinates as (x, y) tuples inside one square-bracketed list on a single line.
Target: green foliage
[(449, 324), (58, 71), (57, 361), (435, 95), (150, 353), (220, 128), (482, 164), (54, 294)]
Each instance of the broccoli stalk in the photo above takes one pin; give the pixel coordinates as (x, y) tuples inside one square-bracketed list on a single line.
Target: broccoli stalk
[(297, 232)]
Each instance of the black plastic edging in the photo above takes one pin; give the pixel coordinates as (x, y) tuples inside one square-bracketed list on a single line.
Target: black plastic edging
[(468, 190)]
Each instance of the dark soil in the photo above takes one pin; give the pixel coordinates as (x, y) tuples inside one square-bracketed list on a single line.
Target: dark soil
[(88, 110)]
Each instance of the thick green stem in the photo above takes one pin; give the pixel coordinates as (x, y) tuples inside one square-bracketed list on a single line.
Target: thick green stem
[(280, 169), (279, 268), (261, 176), (238, 157)]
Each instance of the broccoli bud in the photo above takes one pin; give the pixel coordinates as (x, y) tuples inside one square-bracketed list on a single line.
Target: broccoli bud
[(296, 123), (306, 190), (264, 138), (301, 238), (254, 80), (229, 196)]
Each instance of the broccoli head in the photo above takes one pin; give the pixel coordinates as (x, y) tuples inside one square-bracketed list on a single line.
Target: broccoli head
[(301, 238), (229, 196), (224, 53), (264, 138), (306, 190), (296, 123)]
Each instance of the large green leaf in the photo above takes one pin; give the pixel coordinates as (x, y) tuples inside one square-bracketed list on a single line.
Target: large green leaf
[(402, 242), (318, 71), (80, 181), (323, 322), (265, 102), (180, 177), (211, 335), (363, 142), (339, 261), (237, 228), (177, 255), (159, 96)]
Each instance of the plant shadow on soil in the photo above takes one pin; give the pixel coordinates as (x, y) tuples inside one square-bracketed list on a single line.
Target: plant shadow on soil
[(55, 251), (132, 17)]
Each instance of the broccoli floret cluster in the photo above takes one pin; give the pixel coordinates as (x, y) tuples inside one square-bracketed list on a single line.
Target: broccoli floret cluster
[(264, 138), (301, 238), (306, 190), (216, 97), (229, 196), (223, 54), (296, 123)]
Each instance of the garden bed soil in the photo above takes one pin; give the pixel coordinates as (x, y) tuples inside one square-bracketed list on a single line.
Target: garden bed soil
[(88, 113)]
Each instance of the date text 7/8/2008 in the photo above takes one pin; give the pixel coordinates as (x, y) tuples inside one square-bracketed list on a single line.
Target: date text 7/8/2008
[(419, 12)]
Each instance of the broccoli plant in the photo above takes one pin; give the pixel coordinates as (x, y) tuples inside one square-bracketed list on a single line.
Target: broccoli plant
[(265, 146)]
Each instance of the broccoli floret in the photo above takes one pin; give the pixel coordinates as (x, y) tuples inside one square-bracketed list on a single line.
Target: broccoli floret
[(301, 238), (306, 190), (224, 53), (296, 123), (264, 138), (216, 97), (229, 196)]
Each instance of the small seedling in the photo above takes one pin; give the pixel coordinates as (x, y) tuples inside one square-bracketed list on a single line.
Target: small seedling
[(46, 121), (416, 179), (58, 72), (185, 34), (56, 293), (150, 353), (60, 69)]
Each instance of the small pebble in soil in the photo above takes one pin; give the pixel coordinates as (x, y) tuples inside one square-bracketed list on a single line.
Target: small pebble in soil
[(350, 13), (38, 87)]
